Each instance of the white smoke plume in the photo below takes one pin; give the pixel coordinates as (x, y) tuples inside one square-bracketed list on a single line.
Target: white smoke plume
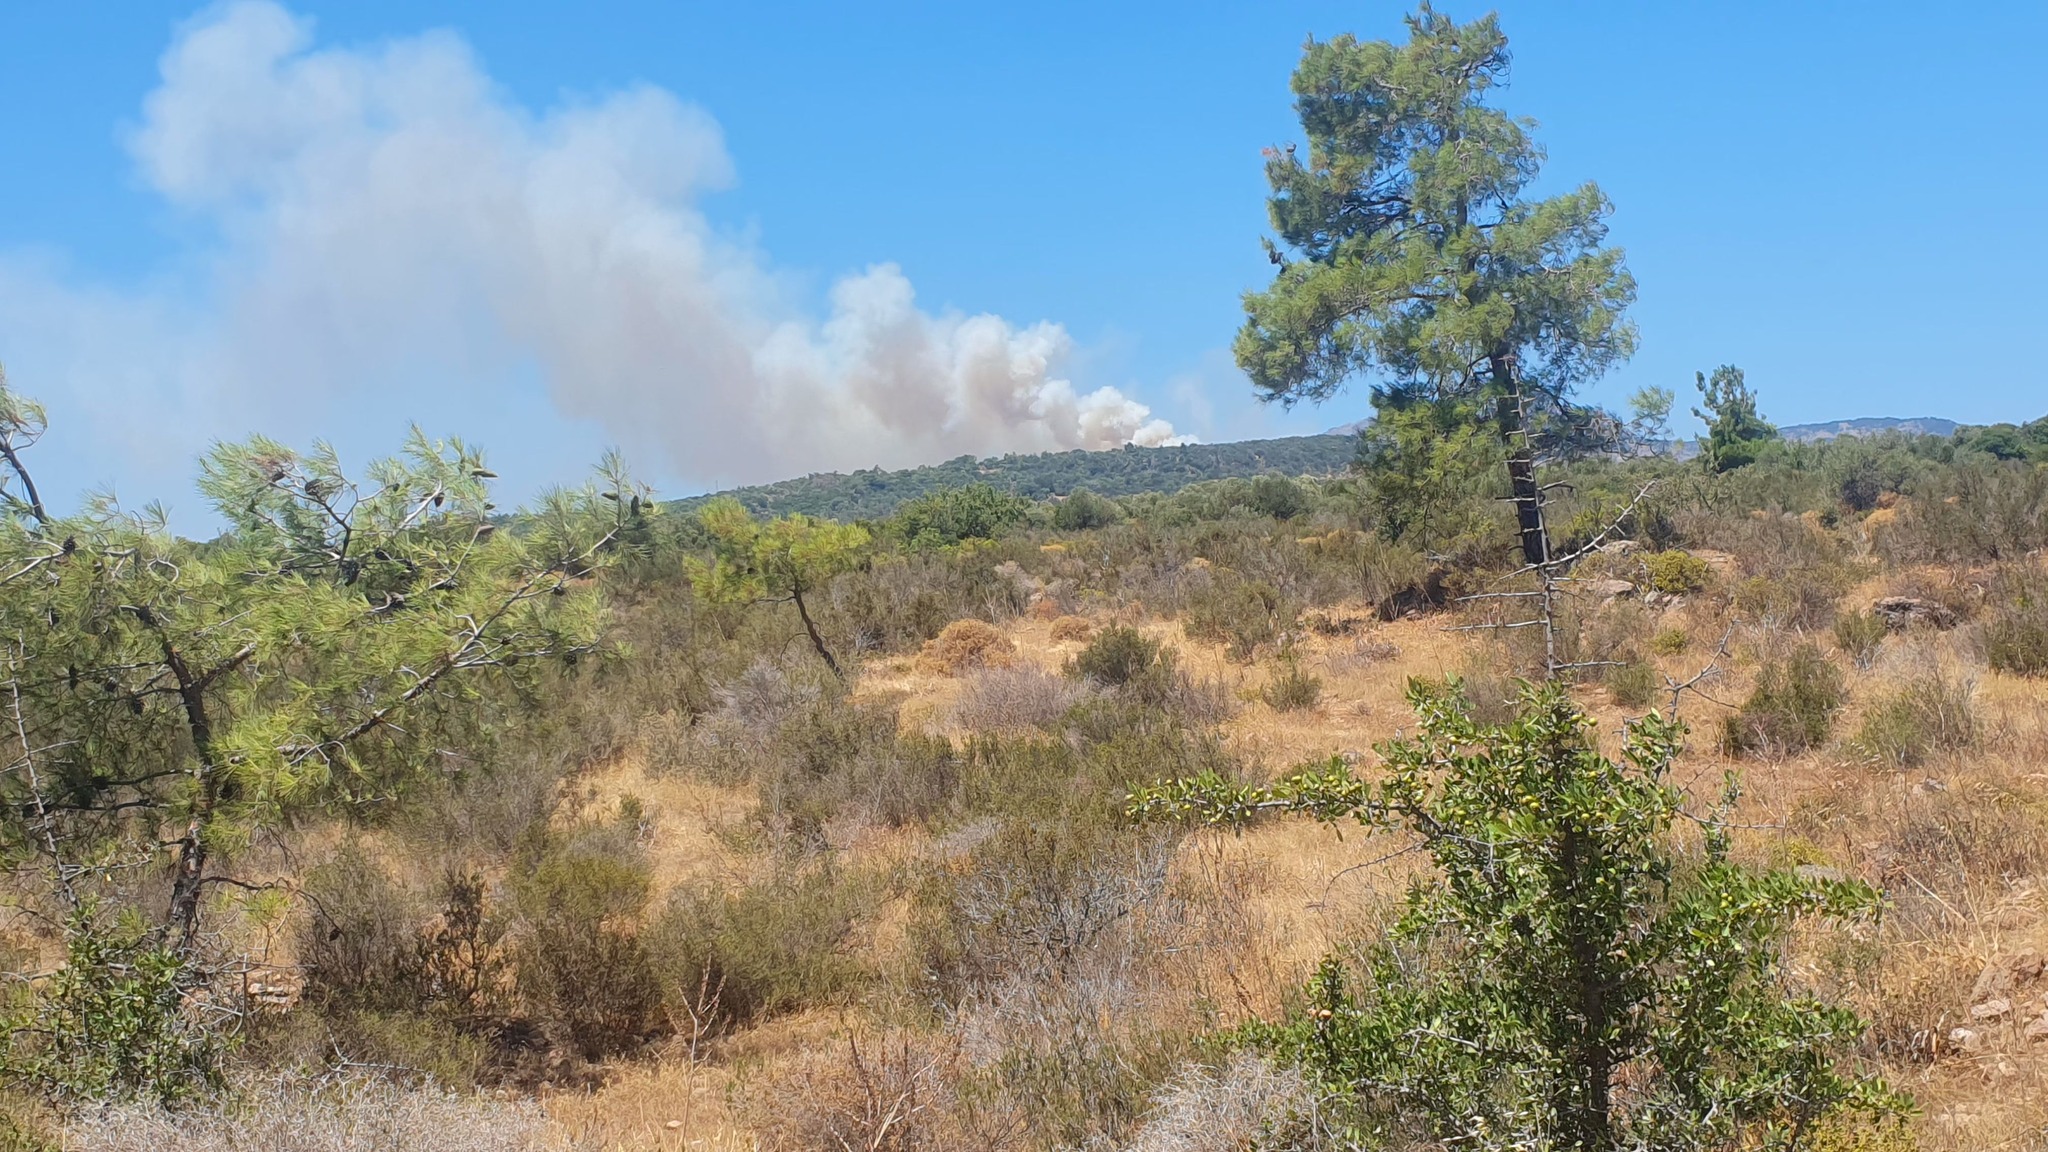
[(385, 226)]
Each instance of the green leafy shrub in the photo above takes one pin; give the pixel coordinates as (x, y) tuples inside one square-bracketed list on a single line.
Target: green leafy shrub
[(1240, 614), (1279, 497), (1083, 510), (1669, 642), (771, 947), (1566, 939), (951, 516), (114, 1022), (583, 967), (1792, 708), (1291, 688), (1632, 684), (1676, 572), (1117, 656), (2016, 630), (1859, 635), (1931, 714)]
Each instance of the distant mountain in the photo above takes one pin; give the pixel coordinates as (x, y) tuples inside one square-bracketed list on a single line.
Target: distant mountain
[(1870, 426), (874, 493), (1826, 430)]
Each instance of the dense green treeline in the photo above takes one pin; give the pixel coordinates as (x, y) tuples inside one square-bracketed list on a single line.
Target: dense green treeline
[(1123, 471)]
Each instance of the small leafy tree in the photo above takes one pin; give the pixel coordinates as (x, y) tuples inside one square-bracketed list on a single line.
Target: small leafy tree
[(1734, 430), (1569, 977), (778, 561), (954, 515)]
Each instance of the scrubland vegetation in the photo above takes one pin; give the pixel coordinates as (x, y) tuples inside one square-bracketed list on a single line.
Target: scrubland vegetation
[(1519, 788), (697, 889)]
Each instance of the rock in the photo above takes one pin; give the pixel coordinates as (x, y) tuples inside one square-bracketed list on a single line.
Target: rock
[(1902, 612), (1996, 1008), (1819, 872), (2009, 974), (1962, 1038), (1610, 589), (1620, 547)]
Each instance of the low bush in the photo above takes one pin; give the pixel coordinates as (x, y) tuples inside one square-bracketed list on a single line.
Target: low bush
[(966, 644), (583, 968), (774, 946), (1931, 714), (2016, 629), (1117, 656), (1291, 688), (358, 945), (1014, 699), (1240, 614), (1633, 684), (1792, 708), (1669, 642), (1676, 572), (1859, 635), (1071, 628)]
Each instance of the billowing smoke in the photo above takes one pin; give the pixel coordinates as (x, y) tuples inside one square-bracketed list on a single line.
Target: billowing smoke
[(384, 226)]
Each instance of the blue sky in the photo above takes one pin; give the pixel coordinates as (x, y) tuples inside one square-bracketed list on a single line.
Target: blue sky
[(1844, 199)]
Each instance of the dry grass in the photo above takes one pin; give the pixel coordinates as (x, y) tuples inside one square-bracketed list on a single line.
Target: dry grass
[(1957, 838), (367, 1116), (671, 1106)]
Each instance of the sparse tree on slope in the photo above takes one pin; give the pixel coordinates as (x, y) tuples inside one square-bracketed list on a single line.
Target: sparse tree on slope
[(780, 560), (1409, 249)]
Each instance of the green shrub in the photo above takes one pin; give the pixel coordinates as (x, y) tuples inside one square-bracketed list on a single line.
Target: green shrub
[(1792, 708), (1632, 684), (774, 946), (1084, 510), (950, 516), (1291, 688), (357, 946), (1117, 656), (2016, 630), (1932, 714), (1239, 614), (1278, 497), (1669, 642), (114, 1022), (583, 968), (1859, 635), (1677, 572)]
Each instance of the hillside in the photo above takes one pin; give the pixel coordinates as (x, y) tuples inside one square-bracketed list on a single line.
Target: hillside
[(876, 492), (1870, 426)]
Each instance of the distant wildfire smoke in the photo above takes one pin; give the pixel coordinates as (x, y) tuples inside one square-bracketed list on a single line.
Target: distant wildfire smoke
[(387, 214)]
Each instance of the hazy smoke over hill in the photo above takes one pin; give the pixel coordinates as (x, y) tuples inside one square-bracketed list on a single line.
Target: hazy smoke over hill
[(389, 214)]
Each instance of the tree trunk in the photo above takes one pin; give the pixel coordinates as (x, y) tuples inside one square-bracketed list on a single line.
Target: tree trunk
[(1514, 436), (796, 593), (190, 879)]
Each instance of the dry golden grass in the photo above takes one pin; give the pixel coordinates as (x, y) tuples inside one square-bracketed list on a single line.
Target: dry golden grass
[(672, 1106), (1959, 845)]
